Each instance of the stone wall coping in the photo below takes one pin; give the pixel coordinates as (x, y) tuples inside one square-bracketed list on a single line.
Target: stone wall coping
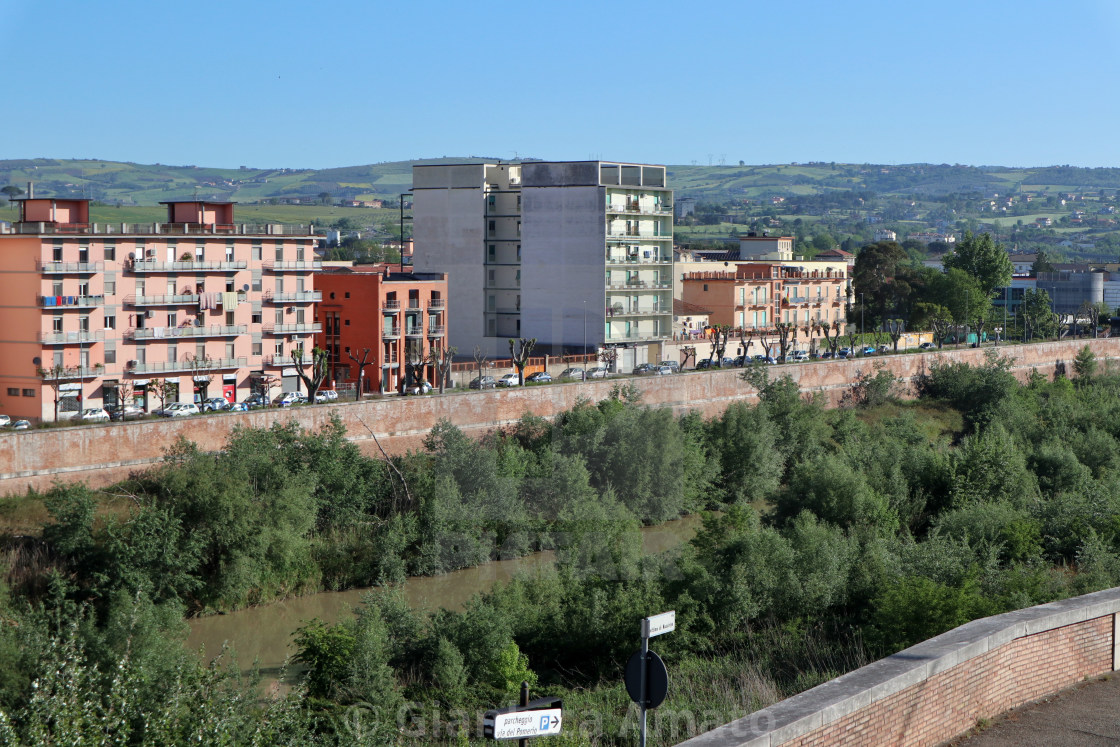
[(850, 692)]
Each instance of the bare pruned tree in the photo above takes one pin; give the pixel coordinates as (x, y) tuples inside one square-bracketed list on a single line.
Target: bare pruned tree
[(717, 335), (366, 360), (54, 378), (480, 360), (689, 352), (317, 361), (895, 328), (787, 335), (832, 334), (940, 325), (442, 363), (519, 351)]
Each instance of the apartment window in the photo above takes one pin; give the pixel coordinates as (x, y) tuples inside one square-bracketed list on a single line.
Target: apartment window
[(255, 318), (518, 228), (141, 355), (56, 324), (279, 349), (519, 203), (299, 253), (13, 391), (705, 287), (28, 392), (300, 287), (173, 319), (83, 359), (200, 350), (229, 252), (299, 316), (230, 352), (110, 322), (279, 316), (279, 285), (347, 294), (490, 303), (110, 355), (172, 353), (258, 252), (110, 287), (347, 323), (257, 348), (491, 226), (492, 200), (56, 288), (83, 253), (171, 283), (229, 286), (110, 251), (492, 253), (199, 252), (519, 278), (279, 252), (58, 358), (56, 254), (490, 277)]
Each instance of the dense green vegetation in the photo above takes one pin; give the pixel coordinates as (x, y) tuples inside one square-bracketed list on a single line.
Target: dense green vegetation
[(841, 535)]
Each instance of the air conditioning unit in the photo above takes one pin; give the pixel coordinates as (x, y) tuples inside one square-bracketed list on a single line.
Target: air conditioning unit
[(291, 309), (149, 314), (132, 364)]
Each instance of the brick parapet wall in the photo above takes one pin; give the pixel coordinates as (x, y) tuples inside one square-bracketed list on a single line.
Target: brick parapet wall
[(102, 454), (940, 688)]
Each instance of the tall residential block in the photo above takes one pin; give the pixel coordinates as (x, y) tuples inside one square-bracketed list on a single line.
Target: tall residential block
[(576, 254), (100, 312)]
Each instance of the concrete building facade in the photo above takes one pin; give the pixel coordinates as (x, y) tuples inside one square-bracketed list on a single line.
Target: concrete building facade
[(97, 313), (575, 254)]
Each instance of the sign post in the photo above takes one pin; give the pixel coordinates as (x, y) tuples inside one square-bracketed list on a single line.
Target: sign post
[(537, 718), (647, 680)]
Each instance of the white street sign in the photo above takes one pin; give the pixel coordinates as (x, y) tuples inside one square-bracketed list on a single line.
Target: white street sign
[(525, 724), (666, 622)]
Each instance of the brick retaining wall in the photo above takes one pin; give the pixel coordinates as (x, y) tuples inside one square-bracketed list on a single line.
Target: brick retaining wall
[(940, 688), (102, 454)]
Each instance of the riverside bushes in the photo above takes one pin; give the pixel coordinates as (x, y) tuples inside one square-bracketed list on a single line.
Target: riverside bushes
[(839, 536)]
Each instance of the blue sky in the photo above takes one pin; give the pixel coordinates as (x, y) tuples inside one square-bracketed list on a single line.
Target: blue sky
[(320, 84)]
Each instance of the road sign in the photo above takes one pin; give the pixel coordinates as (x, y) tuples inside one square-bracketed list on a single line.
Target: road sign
[(522, 724), (666, 622), (657, 679)]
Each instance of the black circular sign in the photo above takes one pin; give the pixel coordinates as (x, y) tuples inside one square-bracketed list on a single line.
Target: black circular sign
[(657, 679)]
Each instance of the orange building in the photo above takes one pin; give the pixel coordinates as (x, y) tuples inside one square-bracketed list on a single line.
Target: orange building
[(399, 317), (99, 312), (760, 295)]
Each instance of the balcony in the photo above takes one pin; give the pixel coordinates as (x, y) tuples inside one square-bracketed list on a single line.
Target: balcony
[(437, 304), (175, 300), (294, 297), (77, 337), (634, 336), (436, 331), (294, 329), (390, 333), (213, 364), (71, 302), (173, 229), (292, 265), (68, 373), (640, 284), (414, 331), (152, 265), (640, 311), (391, 306), (70, 268), (285, 360), (638, 235), (632, 260), (159, 333), (635, 207)]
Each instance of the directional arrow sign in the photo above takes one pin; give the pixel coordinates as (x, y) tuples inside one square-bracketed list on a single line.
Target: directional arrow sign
[(523, 724)]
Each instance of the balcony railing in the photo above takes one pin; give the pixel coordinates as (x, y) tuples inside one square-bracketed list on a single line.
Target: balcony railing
[(293, 329), (416, 331), (71, 302), (285, 360), (152, 265), (633, 284), (639, 260), (640, 311), (635, 336), (644, 236), (69, 268), (213, 364), (158, 333), (391, 306), (281, 265), (437, 304), (390, 359), (390, 332), (293, 297), (636, 207), (436, 331), (165, 300), (68, 373), (173, 229), (67, 338)]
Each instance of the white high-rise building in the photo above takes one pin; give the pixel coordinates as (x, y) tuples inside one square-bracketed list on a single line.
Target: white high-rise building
[(576, 254)]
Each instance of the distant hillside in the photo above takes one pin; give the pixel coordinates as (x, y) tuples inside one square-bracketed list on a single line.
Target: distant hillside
[(147, 184)]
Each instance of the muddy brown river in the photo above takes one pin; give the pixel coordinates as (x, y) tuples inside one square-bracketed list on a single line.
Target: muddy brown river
[(264, 634)]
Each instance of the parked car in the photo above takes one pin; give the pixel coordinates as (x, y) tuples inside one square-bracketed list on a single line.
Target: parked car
[(125, 412), (482, 382), (643, 369), (597, 372), (179, 410), (215, 404), (5, 421), (326, 395), (422, 388), (255, 401), (826, 355), (702, 364), (21, 425), (540, 377), (572, 373), (94, 415), (844, 353), (884, 348), (287, 399), (800, 355), (663, 371), (238, 407), (509, 379), (673, 365), (926, 346), (867, 350)]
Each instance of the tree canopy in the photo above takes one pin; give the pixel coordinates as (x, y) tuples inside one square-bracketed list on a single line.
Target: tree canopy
[(982, 258)]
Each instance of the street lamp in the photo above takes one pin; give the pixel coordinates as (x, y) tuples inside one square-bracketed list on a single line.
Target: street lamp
[(861, 345)]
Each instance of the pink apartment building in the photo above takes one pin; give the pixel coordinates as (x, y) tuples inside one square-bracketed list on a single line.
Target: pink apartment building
[(110, 310)]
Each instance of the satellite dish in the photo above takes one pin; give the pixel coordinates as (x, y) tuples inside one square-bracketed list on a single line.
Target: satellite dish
[(37, 361), (132, 255), (245, 287)]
